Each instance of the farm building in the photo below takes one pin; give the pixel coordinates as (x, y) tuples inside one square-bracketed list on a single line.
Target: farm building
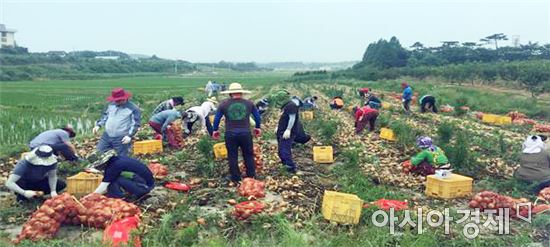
[(8, 39)]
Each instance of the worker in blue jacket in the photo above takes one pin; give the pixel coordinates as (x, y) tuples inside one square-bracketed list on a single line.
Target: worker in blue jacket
[(407, 97)]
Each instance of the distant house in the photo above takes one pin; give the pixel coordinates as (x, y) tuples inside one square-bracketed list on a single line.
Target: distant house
[(7, 36), (107, 57), (57, 53)]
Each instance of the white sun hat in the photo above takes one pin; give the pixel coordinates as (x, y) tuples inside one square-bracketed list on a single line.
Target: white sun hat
[(41, 156), (235, 88)]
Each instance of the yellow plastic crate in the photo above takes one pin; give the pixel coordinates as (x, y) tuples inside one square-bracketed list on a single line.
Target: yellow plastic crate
[(83, 183), (307, 115), (387, 134), (341, 207), (447, 188), (323, 154), (386, 106), (220, 151), (496, 119), (148, 147)]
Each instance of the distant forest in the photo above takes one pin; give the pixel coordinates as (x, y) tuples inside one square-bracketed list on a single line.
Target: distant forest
[(452, 61), (19, 64)]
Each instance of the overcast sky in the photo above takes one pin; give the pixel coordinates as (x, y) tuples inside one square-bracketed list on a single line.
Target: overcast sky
[(265, 30)]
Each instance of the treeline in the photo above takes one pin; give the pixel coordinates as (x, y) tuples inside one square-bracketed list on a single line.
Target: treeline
[(528, 65), (18, 64)]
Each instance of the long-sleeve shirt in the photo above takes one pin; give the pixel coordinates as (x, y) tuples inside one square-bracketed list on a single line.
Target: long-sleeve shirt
[(122, 120), (434, 156), (50, 137), (203, 111), (364, 112), (407, 93), (163, 106), (237, 114), (165, 118)]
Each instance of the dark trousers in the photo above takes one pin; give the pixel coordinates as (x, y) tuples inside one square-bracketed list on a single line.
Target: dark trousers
[(157, 127), (369, 119), (65, 150), (234, 141), (41, 185), (407, 105), (428, 101), (136, 186), (209, 127), (106, 142), (424, 169), (285, 151)]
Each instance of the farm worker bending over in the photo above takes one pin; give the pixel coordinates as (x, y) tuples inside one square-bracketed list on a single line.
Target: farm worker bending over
[(535, 162), (430, 158), (36, 172), (363, 92), (121, 174), (337, 103), (427, 103), (59, 140), (288, 131), (407, 97), (373, 101), (363, 116), (169, 104), (309, 103), (200, 114), (121, 120), (237, 111), (162, 120), (262, 105)]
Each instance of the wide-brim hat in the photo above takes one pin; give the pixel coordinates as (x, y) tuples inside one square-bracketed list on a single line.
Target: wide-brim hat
[(99, 159), (213, 100), (235, 88), (41, 156), (119, 94)]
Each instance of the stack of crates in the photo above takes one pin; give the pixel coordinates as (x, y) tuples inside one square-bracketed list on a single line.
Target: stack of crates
[(341, 207), (496, 119), (220, 151), (83, 183), (307, 115), (323, 154), (148, 147), (387, 134), (448, 188)]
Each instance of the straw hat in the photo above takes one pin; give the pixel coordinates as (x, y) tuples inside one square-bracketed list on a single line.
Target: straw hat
[(213, 100), (235, 88), (99, 159), (41, 156)]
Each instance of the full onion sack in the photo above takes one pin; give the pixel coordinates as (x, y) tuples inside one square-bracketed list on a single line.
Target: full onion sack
[(99, 210), (251, 189), (45, 222)]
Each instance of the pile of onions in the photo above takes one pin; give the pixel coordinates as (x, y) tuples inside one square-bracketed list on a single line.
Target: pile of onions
[(491, 200), (407, 166), (251, 189), (93, 210), (516, 115), (99, 210), (542, 128), (244, 210), (258, 161), (45, 222), (479, 115), (159, 171), (545, 194)]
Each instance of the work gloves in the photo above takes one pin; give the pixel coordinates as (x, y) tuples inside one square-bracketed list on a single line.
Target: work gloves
[(95, 129), (286, 134), (125, 140)]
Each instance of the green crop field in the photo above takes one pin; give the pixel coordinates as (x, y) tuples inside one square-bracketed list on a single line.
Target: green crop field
[(28, 107)]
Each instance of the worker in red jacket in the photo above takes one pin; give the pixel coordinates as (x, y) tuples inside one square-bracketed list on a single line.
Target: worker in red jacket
[(363, 116)]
